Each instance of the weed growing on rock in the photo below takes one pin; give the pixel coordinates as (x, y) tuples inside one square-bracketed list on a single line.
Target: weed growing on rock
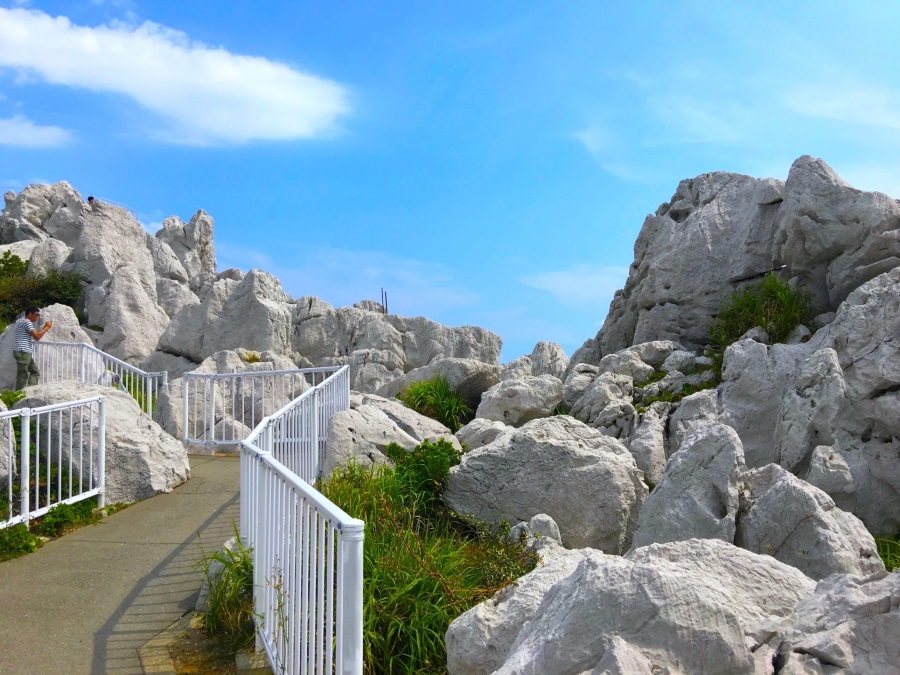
[(423, 565), (16, 541), (435, 399), (772, 305), (889, 551)]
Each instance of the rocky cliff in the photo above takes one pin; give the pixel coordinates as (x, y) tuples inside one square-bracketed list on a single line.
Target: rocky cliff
[(158, 301)]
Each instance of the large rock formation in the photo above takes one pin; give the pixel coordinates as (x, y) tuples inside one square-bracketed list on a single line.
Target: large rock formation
[(721, 231)]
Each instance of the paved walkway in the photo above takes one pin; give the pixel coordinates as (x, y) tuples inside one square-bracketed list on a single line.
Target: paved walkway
[(85, 603)]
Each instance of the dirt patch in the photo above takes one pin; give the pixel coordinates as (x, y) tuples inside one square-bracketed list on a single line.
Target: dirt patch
[(196, 653)]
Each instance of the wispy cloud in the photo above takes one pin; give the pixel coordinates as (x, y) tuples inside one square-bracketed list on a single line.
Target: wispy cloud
[(583, 287), (19, 131), (345, 276), (206, 95), (854, 103)]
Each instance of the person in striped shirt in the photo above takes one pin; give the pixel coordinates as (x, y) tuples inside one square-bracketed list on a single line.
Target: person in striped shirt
[(27, 372)]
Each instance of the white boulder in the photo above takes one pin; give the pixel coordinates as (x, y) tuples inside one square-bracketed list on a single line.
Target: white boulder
[(587, 482), (799, 525), (698, 496), (469, 378), (515, 402), (362, 435), (549, 358), (480, 432), (647, 443), (686, 607)]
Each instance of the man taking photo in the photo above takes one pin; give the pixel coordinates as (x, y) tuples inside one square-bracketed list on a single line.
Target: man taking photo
[(27, 372)]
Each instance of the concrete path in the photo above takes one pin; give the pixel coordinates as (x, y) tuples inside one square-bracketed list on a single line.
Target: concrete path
[(86, 603)]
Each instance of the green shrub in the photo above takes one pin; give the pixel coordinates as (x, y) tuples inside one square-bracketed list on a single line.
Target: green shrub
[(64, 517), (772, 305), (10, 397), (229, 612), (435, 399), (889, 551), (16, 541), (423, 566), (18, 290)]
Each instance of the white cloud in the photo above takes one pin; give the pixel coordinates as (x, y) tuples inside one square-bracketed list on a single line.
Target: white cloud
[(208, 95), (854, 103), (21, 132), (345, 276), (583, 287)]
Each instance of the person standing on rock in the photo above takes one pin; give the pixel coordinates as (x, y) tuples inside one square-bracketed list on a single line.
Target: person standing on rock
[(27, 372)]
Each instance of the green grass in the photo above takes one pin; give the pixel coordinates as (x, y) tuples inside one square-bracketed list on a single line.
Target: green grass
[(423, 566), (889, 550), (435, 399), (229, 615), (672, 396), (133, 384), (17, 541), (772, 305)]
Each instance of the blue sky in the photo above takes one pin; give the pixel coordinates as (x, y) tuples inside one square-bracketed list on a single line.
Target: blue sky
[(486, 163)]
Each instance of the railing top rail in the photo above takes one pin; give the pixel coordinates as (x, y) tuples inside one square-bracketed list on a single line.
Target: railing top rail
[(52, 407), (263, 373), (342, 518), (119, 362), (265, 421)]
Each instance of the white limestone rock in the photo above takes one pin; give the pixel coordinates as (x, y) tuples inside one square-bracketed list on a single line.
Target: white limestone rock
[(517, 369), (687, 607), (371, 369), (549, 358), (692, 412), (65, 329), (479, 432), (172, 296), (9, 452), (849, 623), (111, 238), (469, 378), (418, 426), (799, 525), (21, 249), (141, 459), (252, 313), (755, 378), (698, 495), (515, 402), (647, 443), (829, 472), (176, 366), (132, 321), (628, 363), (478, 641), (361, 435), (324, 334), (577, 382), (41, 211), (606, 404), (48, 255), (192, 243), (587, 482)]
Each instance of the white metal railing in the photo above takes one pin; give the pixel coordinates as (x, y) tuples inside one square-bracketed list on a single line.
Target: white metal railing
[(61, 457), (223, 408), (79, 362), (307, 552)]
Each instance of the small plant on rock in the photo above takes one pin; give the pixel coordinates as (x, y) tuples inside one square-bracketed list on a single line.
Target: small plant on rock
[(435, 399), (772, 305), (889, 551)]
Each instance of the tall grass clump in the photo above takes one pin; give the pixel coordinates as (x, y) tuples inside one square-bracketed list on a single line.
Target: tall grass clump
[(229, 613), (889, 551), (435, 399), (423, 566), (772, 305)]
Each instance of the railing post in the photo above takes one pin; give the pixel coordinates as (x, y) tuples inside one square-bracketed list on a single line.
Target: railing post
[(315, 435), (25, 464), (83, 351), (211, 434), (352, 610), (184, 408), (101, 451), (258, 552)]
